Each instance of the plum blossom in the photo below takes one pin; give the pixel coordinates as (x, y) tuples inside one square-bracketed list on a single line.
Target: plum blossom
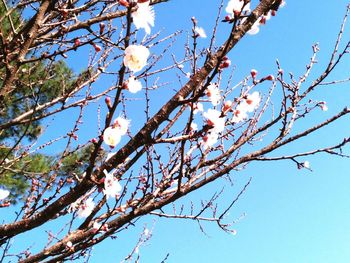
[(252, 101), (214, 119), (213, 93), (69, 245), (255, 28), (210, 139), (111, 136), (236, 6), (144, 16), (197, 107), (97, 226), (239, 114), (4, 193), (86, 208), (306, 164), (200, 32), (135, 57), (121, 124), (112, 186), (194, 126), (134, 85), (323, 105)]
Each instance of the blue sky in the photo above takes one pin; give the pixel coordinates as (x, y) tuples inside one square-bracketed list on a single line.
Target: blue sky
[(286, 215)]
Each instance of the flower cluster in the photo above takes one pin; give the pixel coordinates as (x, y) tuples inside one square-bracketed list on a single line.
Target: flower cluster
[(216, 120), (236, 7), (112, 135)]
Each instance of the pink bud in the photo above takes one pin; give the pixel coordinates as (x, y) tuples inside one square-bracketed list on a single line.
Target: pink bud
[(108, 102), (270, 77), (97, 48), (102, 27), (253, 73), (124, 3), (228, 18), (225, 64)]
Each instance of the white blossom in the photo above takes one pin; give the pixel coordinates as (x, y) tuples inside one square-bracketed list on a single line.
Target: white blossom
[(4, 193), (86, 208), (200, 32), (236, 6), (144, 17), (134, 85), (306, 164), (213, 93), (214, 119), (135, 57), (122, 125), (111, 136), (197, 107), (210, 139), (112, 186), (239, 114), (252, 101)]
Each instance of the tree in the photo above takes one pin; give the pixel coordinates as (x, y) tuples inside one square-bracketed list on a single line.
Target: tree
[(176, 149)]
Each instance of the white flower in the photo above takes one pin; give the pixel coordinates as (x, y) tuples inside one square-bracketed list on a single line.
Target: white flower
[(252, 101), (239, 114), (121, 124), (210, 139), (254, 29), (200, 32), (135, 57), (112, 186), (86, 208), (323, 105), (214, 119), (194, 126), (213, 93), (306, 164), (134, 85), (197, 107), (236, 6), (144, 16), (111, 136), (96, 226), (69, 244), (4, 194)]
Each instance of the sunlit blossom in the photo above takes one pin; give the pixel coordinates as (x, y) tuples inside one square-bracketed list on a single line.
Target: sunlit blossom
[(86, 208), (213, 93), (306, 164), (214, 119), (239, 114), (236, 6), (197, 107), (210, 139), (134, 85), (144, 17), (121, 124), (252, 101), (112, 136), (4, 193), (112, 186), (200, 32), (135, 57)]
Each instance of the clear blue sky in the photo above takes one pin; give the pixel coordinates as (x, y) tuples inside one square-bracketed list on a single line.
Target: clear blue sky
[(291, 215)]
